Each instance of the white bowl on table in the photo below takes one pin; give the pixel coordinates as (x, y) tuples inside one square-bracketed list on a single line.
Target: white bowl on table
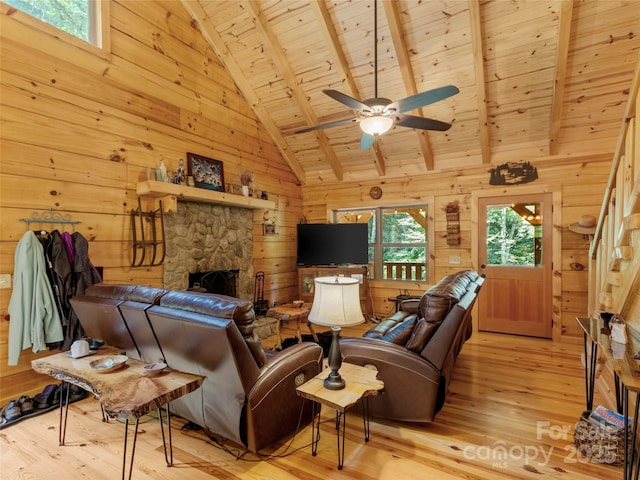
[(153, 369)]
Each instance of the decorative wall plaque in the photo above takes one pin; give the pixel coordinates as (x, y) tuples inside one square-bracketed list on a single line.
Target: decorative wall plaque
[(512, 173), (453, 223)]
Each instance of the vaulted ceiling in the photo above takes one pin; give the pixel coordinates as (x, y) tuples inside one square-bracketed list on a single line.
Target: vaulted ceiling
[(538, 79)]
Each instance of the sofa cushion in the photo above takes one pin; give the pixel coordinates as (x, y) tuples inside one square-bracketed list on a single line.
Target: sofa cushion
[(422, 332), (452, 286), (411, 305), (401, 332), (151, 295), (434, 308), (384, 327), (115, 292)]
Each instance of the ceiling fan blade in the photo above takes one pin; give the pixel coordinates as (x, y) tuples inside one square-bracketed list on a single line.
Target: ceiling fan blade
[(346, 100), (366, 141), (328, 125), (412, 121), (422, 99)]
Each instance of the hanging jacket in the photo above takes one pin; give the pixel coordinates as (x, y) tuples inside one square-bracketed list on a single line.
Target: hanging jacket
[(33, 315), (84, 275), (60, 273)]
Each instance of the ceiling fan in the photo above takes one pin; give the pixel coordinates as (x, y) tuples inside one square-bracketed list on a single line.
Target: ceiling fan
[(377, 115)]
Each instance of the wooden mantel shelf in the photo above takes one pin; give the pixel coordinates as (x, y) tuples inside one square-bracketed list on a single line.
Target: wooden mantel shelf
[(170, 193)]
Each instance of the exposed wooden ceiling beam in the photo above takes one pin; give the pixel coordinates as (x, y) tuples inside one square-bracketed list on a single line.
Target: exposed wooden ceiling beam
[(273, 48), (341, 63), (562, 53), (392, 13), (477, 43), (215, 41)]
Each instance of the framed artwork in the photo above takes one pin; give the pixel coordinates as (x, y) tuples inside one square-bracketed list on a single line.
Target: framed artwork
[(268, 229), (206, 172)]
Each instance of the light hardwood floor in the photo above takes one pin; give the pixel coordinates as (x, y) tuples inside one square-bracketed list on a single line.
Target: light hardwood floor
[(510, 414)]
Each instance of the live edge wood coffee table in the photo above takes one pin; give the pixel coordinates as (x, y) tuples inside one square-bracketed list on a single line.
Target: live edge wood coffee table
[(361, 383), (127, 393)]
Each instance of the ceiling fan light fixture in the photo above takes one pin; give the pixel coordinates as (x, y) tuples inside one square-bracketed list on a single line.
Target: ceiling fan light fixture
[(376, 124)]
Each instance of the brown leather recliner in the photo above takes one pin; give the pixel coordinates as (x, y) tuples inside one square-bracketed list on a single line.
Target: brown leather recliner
[(248, 395), (415, 350)]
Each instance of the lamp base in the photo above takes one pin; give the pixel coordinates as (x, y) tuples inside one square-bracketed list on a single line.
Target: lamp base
[(334, 380)]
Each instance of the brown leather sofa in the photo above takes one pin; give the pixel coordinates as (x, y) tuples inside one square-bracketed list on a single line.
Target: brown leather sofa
[(249, 394), (415, 350)]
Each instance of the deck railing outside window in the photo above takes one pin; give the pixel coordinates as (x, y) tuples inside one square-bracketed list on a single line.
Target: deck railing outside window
[(404, 271)]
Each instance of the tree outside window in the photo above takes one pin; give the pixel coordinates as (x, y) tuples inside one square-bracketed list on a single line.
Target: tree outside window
[(398, 249), (513, 233), (76, 17)]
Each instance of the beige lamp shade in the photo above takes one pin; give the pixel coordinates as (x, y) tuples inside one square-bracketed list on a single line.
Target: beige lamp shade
[(336, 302)]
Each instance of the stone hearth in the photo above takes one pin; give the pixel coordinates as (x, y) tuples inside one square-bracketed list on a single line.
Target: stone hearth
[(202, 237)]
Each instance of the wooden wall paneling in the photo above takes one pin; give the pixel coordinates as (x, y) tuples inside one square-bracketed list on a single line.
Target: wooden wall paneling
[(174, 22), (22, 159), (81, 126), (61, 80), (46, 194), (565, 177)]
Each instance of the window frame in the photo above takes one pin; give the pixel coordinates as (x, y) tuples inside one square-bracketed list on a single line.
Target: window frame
[(100, 27), (376, 274)]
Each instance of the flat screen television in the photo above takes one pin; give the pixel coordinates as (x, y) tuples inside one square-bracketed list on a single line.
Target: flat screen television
[(333, 244)]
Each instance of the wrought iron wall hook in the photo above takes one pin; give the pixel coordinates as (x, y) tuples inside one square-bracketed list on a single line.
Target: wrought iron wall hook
[(52, 218)]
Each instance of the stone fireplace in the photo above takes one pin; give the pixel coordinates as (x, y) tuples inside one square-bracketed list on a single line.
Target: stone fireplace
[(202, 237)]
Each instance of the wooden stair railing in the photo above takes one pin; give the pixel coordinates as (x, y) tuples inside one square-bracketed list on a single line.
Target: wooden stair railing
[(614, 277)]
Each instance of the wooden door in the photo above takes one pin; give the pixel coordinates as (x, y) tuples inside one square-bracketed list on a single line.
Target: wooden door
[(514, 254)]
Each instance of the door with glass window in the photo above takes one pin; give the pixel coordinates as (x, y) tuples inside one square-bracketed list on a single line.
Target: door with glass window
[(514, 254)]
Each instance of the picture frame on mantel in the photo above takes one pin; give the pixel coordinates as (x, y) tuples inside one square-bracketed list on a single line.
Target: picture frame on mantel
[(206, 172)]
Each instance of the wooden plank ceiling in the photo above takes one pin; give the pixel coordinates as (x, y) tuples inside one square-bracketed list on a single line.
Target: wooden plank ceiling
[(538, 79)]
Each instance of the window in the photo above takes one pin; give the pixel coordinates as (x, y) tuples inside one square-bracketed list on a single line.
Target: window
[(514, 234), (80, 18), (397, 240)]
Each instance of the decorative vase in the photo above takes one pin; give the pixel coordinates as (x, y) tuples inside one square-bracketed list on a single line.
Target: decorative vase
[(245, 190)]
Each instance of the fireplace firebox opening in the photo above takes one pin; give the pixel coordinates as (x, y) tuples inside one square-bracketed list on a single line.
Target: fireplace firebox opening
[(222, 282)]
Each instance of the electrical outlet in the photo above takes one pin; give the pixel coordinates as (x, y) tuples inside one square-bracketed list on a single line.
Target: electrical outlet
[(454, 260), (5, 280)]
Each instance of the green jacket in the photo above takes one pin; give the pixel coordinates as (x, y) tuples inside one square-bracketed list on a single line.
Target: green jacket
[(34, 318)]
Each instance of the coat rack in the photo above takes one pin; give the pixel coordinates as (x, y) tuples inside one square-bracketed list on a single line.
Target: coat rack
[(52, 218), (138, 216)]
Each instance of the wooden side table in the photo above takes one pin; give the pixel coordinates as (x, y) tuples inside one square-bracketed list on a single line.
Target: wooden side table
[(289, 311), (126, 394), (361, 383), (265, 327)]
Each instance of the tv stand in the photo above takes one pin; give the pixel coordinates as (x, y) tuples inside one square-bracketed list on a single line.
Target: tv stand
[(306, 286)]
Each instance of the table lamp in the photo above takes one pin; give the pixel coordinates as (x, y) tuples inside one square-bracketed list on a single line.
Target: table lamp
[(336, 303)]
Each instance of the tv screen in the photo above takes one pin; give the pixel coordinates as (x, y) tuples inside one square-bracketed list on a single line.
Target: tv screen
[(333, 244)]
